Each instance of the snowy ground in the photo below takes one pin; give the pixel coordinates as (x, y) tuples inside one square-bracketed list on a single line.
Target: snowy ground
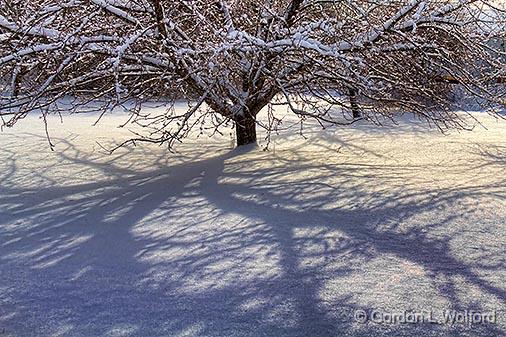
[(286, 242)]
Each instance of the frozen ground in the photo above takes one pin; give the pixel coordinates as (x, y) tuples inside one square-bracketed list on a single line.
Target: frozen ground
[(214, 242)]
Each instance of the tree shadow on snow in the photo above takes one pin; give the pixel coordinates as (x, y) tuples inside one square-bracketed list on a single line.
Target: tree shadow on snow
[(242, 244)]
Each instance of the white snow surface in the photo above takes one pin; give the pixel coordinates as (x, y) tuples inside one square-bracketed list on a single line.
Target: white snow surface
[(210, 241)]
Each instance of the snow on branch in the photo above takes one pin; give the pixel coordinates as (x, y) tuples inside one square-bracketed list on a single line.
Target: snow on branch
[(111, 8), (321, 59)]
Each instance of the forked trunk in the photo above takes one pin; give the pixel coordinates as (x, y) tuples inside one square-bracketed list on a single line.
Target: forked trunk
[(245, 129)]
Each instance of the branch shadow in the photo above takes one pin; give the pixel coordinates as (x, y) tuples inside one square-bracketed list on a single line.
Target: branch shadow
[(245, 243)]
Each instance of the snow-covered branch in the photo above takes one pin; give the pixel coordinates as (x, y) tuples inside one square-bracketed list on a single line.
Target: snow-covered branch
[(237, 57)]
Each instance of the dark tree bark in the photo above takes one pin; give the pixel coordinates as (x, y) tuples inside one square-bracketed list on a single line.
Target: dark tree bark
[(245, 129), (355, 109), (232, 65)]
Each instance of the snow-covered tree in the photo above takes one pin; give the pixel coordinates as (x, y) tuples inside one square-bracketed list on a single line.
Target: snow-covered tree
[(232, 58)]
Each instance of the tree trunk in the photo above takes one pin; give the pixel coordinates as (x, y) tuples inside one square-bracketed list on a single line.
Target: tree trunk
[(245, 129), (355, 109)]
